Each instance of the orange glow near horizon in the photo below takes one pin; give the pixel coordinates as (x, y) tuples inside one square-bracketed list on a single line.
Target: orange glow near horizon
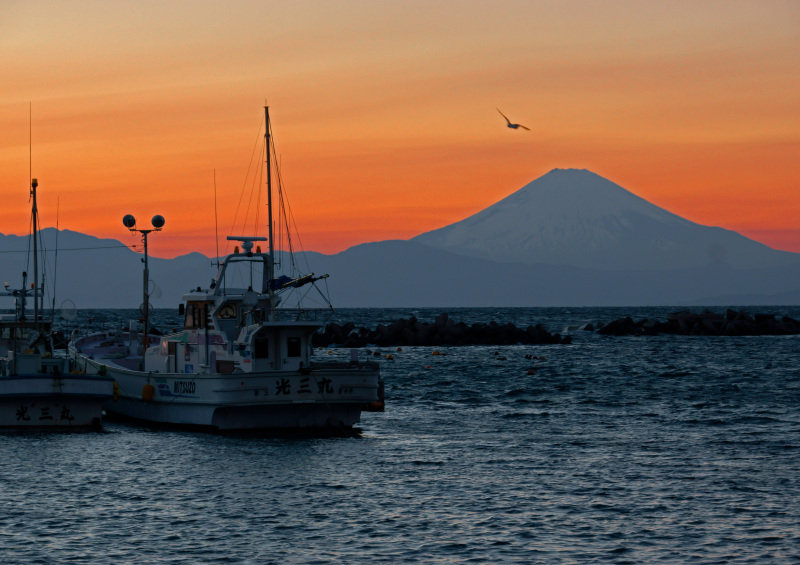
[(385, 123)]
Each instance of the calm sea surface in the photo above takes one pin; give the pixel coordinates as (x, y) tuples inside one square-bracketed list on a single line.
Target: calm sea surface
[(614, 450)]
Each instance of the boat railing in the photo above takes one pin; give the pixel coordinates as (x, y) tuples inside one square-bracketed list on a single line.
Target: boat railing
[(301, 314), (340, 365)]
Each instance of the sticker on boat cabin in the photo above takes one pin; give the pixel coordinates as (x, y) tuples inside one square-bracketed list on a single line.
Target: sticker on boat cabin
[(188, 368)]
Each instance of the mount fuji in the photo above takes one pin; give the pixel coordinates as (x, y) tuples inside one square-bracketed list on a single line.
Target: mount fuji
[(577, 218), (569, 238)]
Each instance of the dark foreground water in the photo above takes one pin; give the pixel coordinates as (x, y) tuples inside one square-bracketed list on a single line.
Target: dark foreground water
[(614, 450)]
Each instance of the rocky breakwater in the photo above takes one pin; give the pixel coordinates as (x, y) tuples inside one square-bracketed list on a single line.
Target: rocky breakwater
[(732, 323), (443, 331)]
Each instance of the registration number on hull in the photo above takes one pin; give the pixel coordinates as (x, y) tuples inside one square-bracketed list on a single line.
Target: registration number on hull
[(183, 387)]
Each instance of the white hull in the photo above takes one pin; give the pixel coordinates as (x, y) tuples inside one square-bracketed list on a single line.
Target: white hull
[(331, 396), (46, 401)]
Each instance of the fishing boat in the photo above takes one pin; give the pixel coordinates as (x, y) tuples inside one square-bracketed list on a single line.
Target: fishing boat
[(243, 360), (38, 387)]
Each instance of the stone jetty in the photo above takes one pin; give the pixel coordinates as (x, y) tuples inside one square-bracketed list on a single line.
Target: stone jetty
[(443, 331), (686, 322)]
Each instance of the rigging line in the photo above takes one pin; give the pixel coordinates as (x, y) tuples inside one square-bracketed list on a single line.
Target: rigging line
[(55, 260), (30, 143), (277, 232), (284, 231), (43, 260), (326, 295), (258, 198), (287, 231), (322, 294), (272, 156), (244, 184), (216, 221), (67, 249), (280, 227), (30, 230), (257, 184), (287, 234), (293, 224), (256, 181)]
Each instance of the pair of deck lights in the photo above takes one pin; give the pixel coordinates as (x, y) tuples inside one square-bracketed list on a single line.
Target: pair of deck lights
[(130, 222), (236, 249)]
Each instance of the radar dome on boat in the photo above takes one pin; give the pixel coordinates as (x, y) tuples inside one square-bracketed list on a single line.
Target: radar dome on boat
[(158, 221), (129, 221)]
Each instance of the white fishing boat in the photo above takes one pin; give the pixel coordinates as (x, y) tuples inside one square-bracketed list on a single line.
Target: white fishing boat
[(38, 387), (241, 361)]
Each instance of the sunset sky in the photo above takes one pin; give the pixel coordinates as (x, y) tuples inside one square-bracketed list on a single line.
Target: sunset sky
[(384, 112)]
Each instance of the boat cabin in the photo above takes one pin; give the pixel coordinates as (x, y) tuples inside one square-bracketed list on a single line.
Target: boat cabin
[(230, 329)]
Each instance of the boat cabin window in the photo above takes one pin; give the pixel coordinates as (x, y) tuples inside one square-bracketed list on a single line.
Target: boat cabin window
[(227, 311), (196, 315), (12, 333), (293, 348), (261, 347)]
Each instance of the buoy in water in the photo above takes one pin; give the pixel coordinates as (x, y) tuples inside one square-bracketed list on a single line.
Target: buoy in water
[(531, 372), (375, 406)]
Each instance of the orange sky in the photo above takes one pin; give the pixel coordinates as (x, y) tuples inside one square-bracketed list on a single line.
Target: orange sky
[(384, 113)]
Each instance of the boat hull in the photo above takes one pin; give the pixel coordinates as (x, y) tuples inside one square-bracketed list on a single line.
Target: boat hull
[(37, 401), (327, 396)]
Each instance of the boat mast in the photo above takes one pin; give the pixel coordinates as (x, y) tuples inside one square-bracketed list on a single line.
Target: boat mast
[(35, 214), (271, 261)]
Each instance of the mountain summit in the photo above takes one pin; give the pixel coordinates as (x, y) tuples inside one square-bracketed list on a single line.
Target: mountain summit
[(575, 217)]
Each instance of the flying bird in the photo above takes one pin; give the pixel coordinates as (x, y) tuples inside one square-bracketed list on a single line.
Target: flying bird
[(512, 126)]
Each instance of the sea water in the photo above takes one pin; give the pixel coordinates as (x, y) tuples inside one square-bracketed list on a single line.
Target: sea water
[(665, 449)]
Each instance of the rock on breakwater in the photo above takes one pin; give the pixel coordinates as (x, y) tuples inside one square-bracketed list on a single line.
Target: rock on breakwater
[(443, 331), (732, 323)]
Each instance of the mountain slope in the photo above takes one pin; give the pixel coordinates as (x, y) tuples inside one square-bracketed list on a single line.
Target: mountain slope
[(575, 217), (646, 256), (408, 274)]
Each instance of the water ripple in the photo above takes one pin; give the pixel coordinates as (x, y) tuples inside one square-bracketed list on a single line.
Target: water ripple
[(611, 450)]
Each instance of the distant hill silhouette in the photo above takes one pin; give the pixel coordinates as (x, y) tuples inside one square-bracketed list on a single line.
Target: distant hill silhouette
[(569, 238)]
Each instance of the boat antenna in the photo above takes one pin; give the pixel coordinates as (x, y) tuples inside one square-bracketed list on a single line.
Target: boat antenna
[(216, 221), (271, 262)]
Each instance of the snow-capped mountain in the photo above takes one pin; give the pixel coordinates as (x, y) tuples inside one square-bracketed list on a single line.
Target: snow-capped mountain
[(578, 218), (570, 238)]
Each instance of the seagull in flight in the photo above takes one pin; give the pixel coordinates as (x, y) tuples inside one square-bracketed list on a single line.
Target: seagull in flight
[(512, 126)]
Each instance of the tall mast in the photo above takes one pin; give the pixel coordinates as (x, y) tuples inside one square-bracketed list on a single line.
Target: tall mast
[(35, 219), (35, 215), (271, 261)]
